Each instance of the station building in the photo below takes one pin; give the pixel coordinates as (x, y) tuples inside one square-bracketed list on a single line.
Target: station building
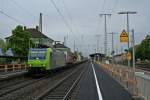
[(61, 47), (97, 57)]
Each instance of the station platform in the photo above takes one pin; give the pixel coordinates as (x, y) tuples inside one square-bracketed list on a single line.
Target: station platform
[(96, 84)]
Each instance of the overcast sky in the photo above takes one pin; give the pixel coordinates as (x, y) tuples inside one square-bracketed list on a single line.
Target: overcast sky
[(80, 16)]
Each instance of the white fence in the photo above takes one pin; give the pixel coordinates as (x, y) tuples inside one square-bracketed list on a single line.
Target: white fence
[(12, 67), (144, 85)]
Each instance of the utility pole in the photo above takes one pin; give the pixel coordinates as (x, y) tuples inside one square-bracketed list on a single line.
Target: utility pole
[(112, 42), (133, 57), (95, 50), (65, 40), (82, 43), (98, 39), (112, 52), (105, 24), (127, 13), (88, 47), (74, 46), (40, 23), (133, 50)]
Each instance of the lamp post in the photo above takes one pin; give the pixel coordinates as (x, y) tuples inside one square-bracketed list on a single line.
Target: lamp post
[(112, 42), (98, 40), (112, 53), (127, 13), (133, 51)]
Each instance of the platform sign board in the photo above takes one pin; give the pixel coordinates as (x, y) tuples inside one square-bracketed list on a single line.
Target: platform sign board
[(129, 56), (124, 37)]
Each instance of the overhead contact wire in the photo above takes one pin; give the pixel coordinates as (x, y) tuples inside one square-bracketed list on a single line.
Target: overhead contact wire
[(19, 6), (12, 18), (62, 16)]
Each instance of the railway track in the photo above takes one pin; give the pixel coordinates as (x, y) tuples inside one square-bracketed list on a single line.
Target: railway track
[(13, 80), (142, 68), (30, 89), (15, 86), (8, 76), (10, 82), (63, 89)]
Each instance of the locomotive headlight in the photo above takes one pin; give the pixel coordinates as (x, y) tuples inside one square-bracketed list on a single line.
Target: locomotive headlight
[(30, 65)]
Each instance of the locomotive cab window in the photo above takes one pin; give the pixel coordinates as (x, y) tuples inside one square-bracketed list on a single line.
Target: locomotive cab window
[(37, 54)]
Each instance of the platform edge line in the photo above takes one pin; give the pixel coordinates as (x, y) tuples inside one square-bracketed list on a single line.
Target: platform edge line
[(97, 85)]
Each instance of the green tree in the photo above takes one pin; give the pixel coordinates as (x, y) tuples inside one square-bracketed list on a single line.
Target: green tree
[(3, 48), (80, 53), (143, 50), (19, 41), (2, 44)]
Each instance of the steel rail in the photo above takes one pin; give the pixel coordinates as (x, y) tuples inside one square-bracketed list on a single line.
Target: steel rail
[(19, 87), (73, 86), (44, 94)]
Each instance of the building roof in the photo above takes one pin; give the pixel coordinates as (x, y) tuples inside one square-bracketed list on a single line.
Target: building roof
[(7, 37), (35, 34), (59, 45), (97, 54), (119, 55)]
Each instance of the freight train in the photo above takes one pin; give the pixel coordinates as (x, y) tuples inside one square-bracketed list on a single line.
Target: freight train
[(46, 59)]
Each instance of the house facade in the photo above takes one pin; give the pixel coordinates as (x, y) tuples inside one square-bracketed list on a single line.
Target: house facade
[(61, 47), (37, 37)]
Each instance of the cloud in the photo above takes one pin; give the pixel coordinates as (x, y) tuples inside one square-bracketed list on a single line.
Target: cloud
[(82, 16)]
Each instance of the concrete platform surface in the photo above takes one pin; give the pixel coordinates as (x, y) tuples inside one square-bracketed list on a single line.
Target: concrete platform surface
[(98, 85)]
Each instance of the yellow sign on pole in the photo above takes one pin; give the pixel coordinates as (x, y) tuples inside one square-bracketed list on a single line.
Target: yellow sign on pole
[(124, 36), (129, 56)]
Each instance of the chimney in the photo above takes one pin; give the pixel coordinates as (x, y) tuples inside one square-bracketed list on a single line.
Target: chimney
[(25, 27), (40, 23), (37, 28)]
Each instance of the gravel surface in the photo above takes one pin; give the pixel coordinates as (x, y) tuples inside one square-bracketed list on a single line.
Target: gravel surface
[(31, 91), (13, 81), (75, 93), (63, 86)]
